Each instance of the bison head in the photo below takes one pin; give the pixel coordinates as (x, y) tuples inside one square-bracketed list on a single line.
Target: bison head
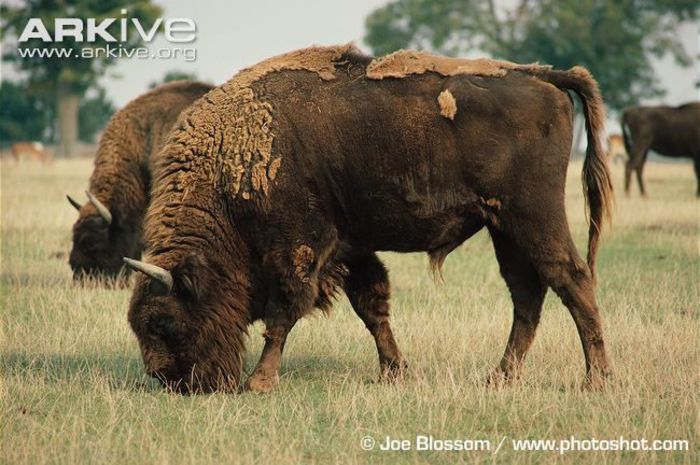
[(189, 327), (100, 240)]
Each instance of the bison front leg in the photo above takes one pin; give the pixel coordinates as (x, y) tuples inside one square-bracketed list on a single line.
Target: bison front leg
[(292, 295), (293, 272), (265, 376), (527, 292), (640, 180), (367, 288)]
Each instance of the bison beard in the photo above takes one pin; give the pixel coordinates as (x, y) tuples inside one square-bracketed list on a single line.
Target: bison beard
[(278, 187), (109, 226)]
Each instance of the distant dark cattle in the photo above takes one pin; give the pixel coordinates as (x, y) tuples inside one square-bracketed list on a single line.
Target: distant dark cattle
[(669, 131), (279, 186)]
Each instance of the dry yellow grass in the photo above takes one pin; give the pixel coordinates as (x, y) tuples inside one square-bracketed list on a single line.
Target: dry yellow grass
[(73, 390)]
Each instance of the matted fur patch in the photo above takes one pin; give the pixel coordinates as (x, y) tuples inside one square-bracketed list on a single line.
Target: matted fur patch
[(448, 104), (407, 62), (234, 125)]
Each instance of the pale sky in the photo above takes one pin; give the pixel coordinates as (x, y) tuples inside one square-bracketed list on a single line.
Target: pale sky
[(234, 34)]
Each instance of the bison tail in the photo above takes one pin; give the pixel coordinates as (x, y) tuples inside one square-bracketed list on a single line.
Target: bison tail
[(626, 134), (597, 186)]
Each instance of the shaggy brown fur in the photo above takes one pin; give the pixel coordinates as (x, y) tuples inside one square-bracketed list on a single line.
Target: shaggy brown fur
[(669, 131), (122, 177), (362, 164)]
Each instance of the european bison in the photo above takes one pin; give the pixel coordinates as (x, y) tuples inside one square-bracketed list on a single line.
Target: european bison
[(280, 185), (109, 226), (669, 131)]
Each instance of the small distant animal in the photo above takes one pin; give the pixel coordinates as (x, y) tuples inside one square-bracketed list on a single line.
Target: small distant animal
[(669, 131), (616, 148), (31, 150)]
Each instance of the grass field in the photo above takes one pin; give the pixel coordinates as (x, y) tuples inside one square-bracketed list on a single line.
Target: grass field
[(73, 388)]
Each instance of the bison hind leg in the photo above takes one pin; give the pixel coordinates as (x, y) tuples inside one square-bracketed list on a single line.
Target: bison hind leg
[(542, 253), (561, 268)]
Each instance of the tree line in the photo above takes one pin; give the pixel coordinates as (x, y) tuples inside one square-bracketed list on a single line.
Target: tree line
[(59, 100), (617, 40)]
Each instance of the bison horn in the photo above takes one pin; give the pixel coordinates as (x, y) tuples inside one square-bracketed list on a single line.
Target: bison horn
[(101, 208), (74, 202), (153, 271)]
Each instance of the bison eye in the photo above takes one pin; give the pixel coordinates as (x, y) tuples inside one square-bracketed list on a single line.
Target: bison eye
[(164, 326)]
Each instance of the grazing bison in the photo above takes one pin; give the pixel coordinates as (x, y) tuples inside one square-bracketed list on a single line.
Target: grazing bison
[(109, 226), (669, 131), (281, 184)]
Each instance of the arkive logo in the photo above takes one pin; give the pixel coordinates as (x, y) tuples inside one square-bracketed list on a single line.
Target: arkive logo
[(177, 30)]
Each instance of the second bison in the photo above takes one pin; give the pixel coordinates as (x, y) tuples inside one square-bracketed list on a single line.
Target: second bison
[(280, 185), (669, 131), (109, 225)]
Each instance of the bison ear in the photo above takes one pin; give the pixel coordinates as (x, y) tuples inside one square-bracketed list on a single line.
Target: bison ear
[(191, 277)]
